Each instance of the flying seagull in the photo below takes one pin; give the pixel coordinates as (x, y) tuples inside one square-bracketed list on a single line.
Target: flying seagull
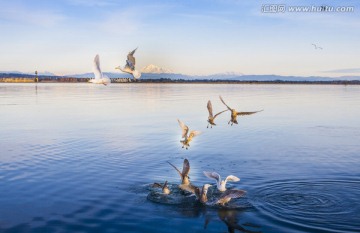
[(130, 66), (100, 78), (234, 113), (185, 132), (221, 184), (211, 117), (317, 47)]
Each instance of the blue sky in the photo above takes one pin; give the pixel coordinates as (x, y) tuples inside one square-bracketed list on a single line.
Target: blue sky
[(191, 37)]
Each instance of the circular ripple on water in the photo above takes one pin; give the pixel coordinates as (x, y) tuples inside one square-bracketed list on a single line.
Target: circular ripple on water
[(327, 204)]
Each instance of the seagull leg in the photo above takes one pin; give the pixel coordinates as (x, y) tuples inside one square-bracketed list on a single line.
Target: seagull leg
[(207, 126)]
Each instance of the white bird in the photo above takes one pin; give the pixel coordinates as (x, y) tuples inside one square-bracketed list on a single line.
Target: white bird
[(317, 47), (100, 78), (221, 184), (187, 138), (130, 66)]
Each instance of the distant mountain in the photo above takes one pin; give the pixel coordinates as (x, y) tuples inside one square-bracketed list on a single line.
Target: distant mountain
[(153, 69), (222, 76)]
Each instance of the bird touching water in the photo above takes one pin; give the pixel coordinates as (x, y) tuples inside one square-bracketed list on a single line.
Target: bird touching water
[(221, 184)]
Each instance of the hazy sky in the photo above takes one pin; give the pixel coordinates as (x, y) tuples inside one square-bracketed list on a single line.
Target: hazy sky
[(187, 36)]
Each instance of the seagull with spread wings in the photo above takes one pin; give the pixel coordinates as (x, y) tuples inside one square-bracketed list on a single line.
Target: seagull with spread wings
[(186, 135), (130, 66), (184, 175), (211, 117), (100, 78), (222, 200), (221, 184), (235, 114)]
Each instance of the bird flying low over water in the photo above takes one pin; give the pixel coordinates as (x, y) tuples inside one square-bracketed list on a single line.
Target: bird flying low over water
[(165, 189), (130, 66), (186, 135), (221, 184), (234, 113), (211, 117), (100, 78)]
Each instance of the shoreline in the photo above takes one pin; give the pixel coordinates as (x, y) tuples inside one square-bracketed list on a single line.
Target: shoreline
[(169, 81)]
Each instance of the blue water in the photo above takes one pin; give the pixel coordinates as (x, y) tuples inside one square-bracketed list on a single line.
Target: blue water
[(82, 157)]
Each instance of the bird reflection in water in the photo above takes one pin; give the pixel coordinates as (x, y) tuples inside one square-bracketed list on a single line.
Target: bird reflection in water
[(231, 219)]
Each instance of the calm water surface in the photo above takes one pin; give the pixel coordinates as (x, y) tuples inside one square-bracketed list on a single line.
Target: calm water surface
[(81, 157)]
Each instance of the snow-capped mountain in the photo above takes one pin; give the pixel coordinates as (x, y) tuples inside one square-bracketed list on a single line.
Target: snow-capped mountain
[(153, 69)]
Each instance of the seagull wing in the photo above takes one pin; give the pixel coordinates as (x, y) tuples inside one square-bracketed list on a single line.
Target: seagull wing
[(96, 67), (247, 113), (186, 168), (131, 57), (127, 69), (164, 186), (194, 133), (213, 175), (176, 169), (229, 194), (157, 185), (224, 103), (217, 114), (232, 178), (209, 107), (184, 128), (233, 193)]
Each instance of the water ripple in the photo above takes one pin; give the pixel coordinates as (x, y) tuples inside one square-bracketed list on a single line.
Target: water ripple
[(312, 203)]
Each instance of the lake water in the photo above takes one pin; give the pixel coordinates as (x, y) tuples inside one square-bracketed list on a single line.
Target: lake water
[(82, 157)]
